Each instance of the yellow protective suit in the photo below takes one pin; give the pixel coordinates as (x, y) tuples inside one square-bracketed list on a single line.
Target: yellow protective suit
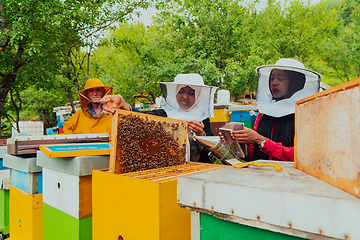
[(82, 122)]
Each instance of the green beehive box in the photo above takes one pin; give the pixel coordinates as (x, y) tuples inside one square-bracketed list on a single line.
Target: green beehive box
[(4, 211), (58, 225)]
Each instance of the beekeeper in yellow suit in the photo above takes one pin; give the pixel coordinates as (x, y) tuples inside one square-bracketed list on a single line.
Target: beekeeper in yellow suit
[(90, 118)]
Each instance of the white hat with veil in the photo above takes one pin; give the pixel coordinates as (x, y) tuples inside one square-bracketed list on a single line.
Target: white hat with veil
[(278, 108), (204, 98)]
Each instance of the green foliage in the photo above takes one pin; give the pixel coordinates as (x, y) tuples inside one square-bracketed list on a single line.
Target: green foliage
[(131, 61), (222, 40), (49, 49), (341, 50), (295, 30), (37, 38), (212, 38)]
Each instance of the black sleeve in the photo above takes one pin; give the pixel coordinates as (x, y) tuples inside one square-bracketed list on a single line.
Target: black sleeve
[(157, 112), (204, 151), (207, 127)]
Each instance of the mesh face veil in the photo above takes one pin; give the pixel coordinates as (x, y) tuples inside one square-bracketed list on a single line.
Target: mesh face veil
[(303, 83), (203, 106)]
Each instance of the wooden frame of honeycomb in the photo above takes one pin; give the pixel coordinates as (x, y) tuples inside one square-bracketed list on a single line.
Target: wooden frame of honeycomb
[(142, 141)]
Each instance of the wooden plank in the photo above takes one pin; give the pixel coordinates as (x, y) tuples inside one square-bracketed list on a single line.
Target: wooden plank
[(22, 146), (175, 172), (341, 87), (113, 164)]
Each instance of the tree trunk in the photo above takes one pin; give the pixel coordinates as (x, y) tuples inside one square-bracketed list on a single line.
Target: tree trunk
[(6, 84), (43, 113), (71, 100)]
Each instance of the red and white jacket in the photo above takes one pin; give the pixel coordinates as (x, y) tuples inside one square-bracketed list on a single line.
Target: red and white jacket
[(275, 150)]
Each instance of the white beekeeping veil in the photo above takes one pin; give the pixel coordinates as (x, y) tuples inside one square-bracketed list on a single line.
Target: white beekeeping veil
[(204, 98), (300, 88)]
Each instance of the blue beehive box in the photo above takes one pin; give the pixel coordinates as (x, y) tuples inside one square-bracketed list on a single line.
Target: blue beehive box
[(243, 113), (242, 117), (25, 174)]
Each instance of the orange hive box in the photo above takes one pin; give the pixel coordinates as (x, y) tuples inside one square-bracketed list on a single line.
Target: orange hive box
[(141, 141), (328, 135)]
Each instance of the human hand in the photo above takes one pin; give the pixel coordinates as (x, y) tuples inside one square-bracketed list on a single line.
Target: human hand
[(247, 136), (113, 102), (196, 127), (222, 137)]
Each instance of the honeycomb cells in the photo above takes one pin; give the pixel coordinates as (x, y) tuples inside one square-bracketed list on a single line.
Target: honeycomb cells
[(147, 144)]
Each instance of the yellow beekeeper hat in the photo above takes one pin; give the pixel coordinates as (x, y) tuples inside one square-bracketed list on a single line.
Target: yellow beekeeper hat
[(92, 83)]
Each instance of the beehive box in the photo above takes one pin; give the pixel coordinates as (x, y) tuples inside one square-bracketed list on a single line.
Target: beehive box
[(328, 134), (58, 225), (22, 145), (67, 193), (142, 205), (25, 174), (4, 201), (25, 215), (142, 141)]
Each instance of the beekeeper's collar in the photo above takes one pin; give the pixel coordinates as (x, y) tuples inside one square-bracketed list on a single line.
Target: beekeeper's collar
[(284, 107), (204, 98)]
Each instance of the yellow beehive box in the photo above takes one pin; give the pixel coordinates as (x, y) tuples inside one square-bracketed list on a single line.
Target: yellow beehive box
[(25, 215), (137, 197), (328, 135), (142, 205), (221, 115)]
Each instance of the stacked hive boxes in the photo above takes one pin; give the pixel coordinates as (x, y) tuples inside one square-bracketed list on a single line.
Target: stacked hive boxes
[(26, 190), (68, 195), (25, 197), (243, 113)]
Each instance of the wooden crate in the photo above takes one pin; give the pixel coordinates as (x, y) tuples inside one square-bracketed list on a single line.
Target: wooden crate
[(25, 215), (22, 145), (328, 134), (141, 141), (142, 205)]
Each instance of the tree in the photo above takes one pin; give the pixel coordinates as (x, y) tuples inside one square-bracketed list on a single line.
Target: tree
[(342, 47), (36, 35), (131, 60), (212, 38), (296, 30)]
